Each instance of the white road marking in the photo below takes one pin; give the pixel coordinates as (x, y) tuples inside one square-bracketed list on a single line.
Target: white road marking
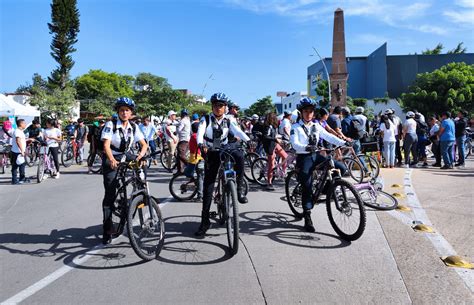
[(44, 282), (442, 246)]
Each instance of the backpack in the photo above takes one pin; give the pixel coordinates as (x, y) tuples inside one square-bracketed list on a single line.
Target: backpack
[(100, 146), (421, 128), (70, 129), (92, 130), (356, 130)]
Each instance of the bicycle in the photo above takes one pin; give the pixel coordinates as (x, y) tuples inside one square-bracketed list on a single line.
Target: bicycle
[(373, 196), (32, 153), (45, 163), (70, 153), (356, 168), (96, 167), (5, 149), (164, 157), (138, 210), (343, 201), (259, 168), (184, 188)]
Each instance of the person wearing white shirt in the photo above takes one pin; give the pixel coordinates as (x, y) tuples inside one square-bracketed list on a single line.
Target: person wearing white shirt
[(52, 136), (149, 132), (18, 152), (184, 134), (435, 145), (388, 129), (285, 126), (410, 139), (304, 136), (171, 137)]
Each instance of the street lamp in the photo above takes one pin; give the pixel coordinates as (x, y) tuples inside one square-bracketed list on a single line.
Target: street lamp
[(327, 72), (205, 84)]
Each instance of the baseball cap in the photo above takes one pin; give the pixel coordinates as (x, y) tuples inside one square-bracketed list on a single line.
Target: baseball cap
[(171, 112)]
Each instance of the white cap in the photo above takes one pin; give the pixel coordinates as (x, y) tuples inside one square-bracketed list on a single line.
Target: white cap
[(255, 117), (410, 114), (170, 113), (359, 110)]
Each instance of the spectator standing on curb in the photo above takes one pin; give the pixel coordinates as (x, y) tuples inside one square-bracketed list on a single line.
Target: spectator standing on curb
[(18, 153), (171, 138), (460, 133), (398, 134), (184, 134), (435, 145), (447, 139), (388, 128), (81, 136), (410, 139)]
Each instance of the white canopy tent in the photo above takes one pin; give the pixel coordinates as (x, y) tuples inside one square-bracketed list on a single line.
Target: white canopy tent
[(8, 108)]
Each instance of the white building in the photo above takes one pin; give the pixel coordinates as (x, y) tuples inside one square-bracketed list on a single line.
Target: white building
[(289, 102)]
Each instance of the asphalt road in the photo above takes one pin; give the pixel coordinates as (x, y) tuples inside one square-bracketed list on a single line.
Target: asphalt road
[(50, 249)]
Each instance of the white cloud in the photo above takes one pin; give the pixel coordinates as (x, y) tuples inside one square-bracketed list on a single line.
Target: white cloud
[(465, 17), (465, 3), (431, 29)]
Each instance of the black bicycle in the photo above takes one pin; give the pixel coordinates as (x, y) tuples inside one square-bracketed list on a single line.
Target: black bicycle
[(225, 197), (344, 206), (136, 208)]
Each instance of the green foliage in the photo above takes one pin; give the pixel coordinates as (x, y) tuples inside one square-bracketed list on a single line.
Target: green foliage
[(64, 26), (323, 91), (449, 88), (261, 107), (200, 109), (38, 84), (359, 102), (459, 49), (437, 50), (55, 103), (379, 100)]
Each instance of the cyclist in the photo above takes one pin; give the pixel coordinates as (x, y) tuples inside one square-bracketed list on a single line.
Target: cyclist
[(304, 138), (184, 134), (285, 126), (149, 132), (118, 136), (34, 130), (52, 136), (81, 135), (171, 136), (271, 146), (212, 133), (95, 133)]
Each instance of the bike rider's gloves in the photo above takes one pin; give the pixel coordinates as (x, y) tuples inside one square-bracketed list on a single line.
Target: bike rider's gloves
[(312, 148), (349, 144)]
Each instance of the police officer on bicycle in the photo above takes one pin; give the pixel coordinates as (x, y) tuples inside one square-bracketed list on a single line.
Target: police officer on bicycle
[(118, 137), (304, 137), (213, 134)]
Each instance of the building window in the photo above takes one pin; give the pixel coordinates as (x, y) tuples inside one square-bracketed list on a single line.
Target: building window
[(289, 106), (284, 106)]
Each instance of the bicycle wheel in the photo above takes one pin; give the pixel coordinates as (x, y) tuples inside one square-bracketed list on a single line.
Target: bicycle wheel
[(96, 164), (467, 148), (30, 155), (146, 228), (293, 194), (182, 188), (373, 166), (248, 160), (345, 210), (354, 168), (40, 170), (232, 213), (67, 157), (78, 158), (259, 171), (245, 187), (164, 161), (377, 199)]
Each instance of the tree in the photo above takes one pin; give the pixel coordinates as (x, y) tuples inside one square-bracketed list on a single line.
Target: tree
[(458, 50), (64, 26), (38, 84), (322, 90), (449, 88), (437, 50), (55, 103), (261, 107)]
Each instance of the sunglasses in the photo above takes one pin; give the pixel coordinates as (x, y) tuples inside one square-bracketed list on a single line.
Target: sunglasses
[(218, 105)]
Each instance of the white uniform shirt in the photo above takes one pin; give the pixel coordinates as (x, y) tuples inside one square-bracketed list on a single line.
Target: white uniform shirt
[(184, 129), (434, 130), (205, 130), (148, 131), (116, 137), (18, 134), (52, 132), (300, 140), (285, 124)]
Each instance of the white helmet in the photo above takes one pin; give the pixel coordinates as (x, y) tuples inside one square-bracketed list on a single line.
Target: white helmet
[(255, 117), (359, 109), (410, 114), (388, 111), (170, 113)]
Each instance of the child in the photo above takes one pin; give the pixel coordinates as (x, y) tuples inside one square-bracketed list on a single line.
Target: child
[(195, 161)]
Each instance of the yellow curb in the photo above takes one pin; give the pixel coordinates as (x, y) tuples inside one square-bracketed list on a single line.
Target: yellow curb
[(403, 208), (396, 185), (423, 228), (457, 261)]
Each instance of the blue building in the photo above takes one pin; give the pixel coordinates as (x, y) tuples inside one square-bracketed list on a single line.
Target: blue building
[(377, 74)]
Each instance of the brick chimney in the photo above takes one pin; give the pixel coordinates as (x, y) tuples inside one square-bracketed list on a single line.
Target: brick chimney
[(338, 74)]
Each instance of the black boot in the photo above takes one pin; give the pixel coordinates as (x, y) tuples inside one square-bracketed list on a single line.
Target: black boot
[(205, 224), (240, 194), (308, 223), (107, 227)]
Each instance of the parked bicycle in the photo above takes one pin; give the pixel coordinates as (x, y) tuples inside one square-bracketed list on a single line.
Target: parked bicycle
[(96, 167), (259, 169), (32, 152), (45, 163), (360, 166), (345, 208), (70, 153), (373, 196), (5, 149), (139, 210)]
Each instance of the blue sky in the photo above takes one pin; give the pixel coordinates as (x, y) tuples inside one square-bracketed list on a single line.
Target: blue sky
[(252, 48)]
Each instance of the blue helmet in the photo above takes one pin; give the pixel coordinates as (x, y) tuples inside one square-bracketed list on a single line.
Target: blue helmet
[(306, 102), (124, 101), (195, 117), (184, 112), (220, 97)]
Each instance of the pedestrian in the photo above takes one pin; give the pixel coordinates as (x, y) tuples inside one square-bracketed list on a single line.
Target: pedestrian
[(285, 126), (149, 132), (422, 131), (334, 121), (434, 139), (410, 139), (272, 147), (184, 134), (460, 132), (447, 138), (388, 131), (18, 151), (171, 137), (81, 135), (359, 115), (398, 134), (52, 136)]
